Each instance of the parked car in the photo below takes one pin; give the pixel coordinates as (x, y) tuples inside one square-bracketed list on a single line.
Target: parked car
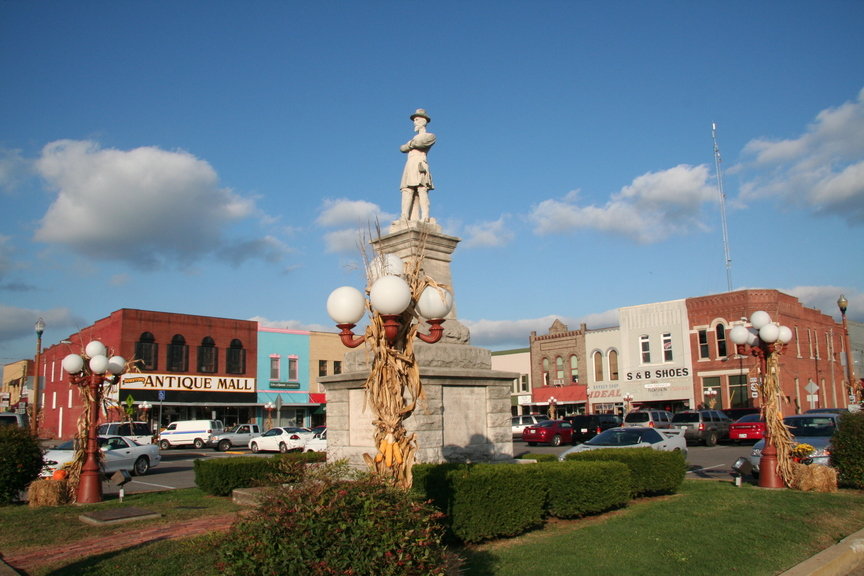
[(815, 429), (518, 423), (736, 413), (668, 440), (279, 440), (649, 418), (238, 435), (13, 419), (705, 426), (749, 427), (138, 432), (318, 442), (118, 453), (826, 410), (554, 432), (586, 426)]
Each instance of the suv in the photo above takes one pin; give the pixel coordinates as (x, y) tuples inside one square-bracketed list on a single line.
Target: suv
[(519, 423), (136, 431), (706, 426), (649, 418), (13, 419), (586, 426)]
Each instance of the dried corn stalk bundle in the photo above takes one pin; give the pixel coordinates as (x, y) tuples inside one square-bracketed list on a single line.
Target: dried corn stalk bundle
[(771, 398), (393, 387)]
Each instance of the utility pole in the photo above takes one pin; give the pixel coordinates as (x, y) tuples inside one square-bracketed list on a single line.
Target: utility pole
[(719, 170)]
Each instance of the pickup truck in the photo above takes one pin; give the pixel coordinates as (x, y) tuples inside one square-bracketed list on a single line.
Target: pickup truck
[(238, 435)]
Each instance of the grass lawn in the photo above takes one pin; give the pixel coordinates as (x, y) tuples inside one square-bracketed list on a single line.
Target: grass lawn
[(708, 528)]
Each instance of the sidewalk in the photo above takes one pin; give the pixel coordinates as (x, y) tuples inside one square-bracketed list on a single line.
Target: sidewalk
[(15, 563)]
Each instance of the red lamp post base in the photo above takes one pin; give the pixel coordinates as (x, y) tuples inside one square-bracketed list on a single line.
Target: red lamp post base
[(768, 476)]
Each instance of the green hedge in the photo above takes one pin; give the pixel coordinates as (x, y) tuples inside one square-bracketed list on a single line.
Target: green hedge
[(651, 471), (487, 501), (576, 489), (847, 450), (219, 476)]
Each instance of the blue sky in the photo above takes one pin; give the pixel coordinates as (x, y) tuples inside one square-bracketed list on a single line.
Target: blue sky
[(219, 158)]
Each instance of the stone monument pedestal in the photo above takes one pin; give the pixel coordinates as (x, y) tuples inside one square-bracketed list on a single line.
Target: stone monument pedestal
[(464, 415)]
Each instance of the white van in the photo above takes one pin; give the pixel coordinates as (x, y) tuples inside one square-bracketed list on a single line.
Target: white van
[(189, 432)]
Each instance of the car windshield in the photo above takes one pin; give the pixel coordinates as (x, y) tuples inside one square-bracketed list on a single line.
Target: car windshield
[(616, 437), (749, 418), (810, 426), (637, 417), (545, 424), (686, 417)]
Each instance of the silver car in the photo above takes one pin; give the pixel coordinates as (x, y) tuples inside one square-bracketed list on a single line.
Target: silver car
[(665, 440), (813, 429)]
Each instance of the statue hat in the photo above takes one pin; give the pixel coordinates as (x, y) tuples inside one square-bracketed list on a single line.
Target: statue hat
[(422, 114)]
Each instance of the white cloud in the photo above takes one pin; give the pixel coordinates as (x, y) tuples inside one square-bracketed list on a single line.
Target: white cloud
[(144, 206), (502, 334), (13, 169), (822, 169), (291, 325), (488, 234), (19, 322), (654, 207), (357, 221), (825, 298)]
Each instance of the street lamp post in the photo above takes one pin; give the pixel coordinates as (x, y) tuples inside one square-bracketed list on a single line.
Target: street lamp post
[(553, 408), (854, 396), (34, 425), (400, 298), (766, 340), (711, 394), (628, 398), (269, 407), (88, 372)]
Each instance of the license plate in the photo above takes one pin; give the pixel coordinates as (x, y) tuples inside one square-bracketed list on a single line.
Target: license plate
[(742, 435), (682, 427), (584, 430)]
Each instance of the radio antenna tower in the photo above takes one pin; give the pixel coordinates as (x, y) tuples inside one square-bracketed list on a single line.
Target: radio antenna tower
[(719, 170)]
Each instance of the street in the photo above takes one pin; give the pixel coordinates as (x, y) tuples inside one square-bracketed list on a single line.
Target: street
[(176, 469)]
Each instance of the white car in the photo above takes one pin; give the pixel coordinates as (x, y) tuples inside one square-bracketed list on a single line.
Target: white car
[(118, 453), (318, 443), (281, 440), (669, 440)]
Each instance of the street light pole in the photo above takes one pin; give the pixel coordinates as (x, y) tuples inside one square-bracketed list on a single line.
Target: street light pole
[(766, 340), (34, 425), (842, 303)]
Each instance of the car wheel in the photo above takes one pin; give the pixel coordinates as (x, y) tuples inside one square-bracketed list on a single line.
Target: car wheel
[(199, 443), (164, 445), (224, 445), (142, 465), (283, 448), (556, 440), (254, 447), (711, 439)]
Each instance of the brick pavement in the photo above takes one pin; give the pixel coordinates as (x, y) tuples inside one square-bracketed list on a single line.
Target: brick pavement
[(30, 559)]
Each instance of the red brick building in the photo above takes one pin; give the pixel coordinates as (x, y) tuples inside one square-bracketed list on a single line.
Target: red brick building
[(191, 367), (811, 359)]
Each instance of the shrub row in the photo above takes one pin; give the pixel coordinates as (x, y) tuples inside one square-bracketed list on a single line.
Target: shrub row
[(486, 501), (219, 476), (847, 450), (651, 471)]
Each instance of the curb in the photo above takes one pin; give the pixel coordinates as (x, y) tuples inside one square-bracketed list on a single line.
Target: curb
[(838, 560)]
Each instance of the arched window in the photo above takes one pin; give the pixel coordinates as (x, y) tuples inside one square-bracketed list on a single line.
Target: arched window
[(574, 369), (545, 371), (597, 357), (613, 365), (208, 356), (236, 362), (559, 368), (721, 340), (147, 351), (178, 354)]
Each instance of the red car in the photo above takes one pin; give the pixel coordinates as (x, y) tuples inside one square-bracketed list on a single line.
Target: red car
[(749, 427), (552, 432)]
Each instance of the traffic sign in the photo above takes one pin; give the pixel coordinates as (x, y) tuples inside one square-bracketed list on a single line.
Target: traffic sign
[(161, 395)]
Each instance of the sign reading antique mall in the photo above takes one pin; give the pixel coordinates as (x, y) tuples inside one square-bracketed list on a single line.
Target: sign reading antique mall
[(186, 383)]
